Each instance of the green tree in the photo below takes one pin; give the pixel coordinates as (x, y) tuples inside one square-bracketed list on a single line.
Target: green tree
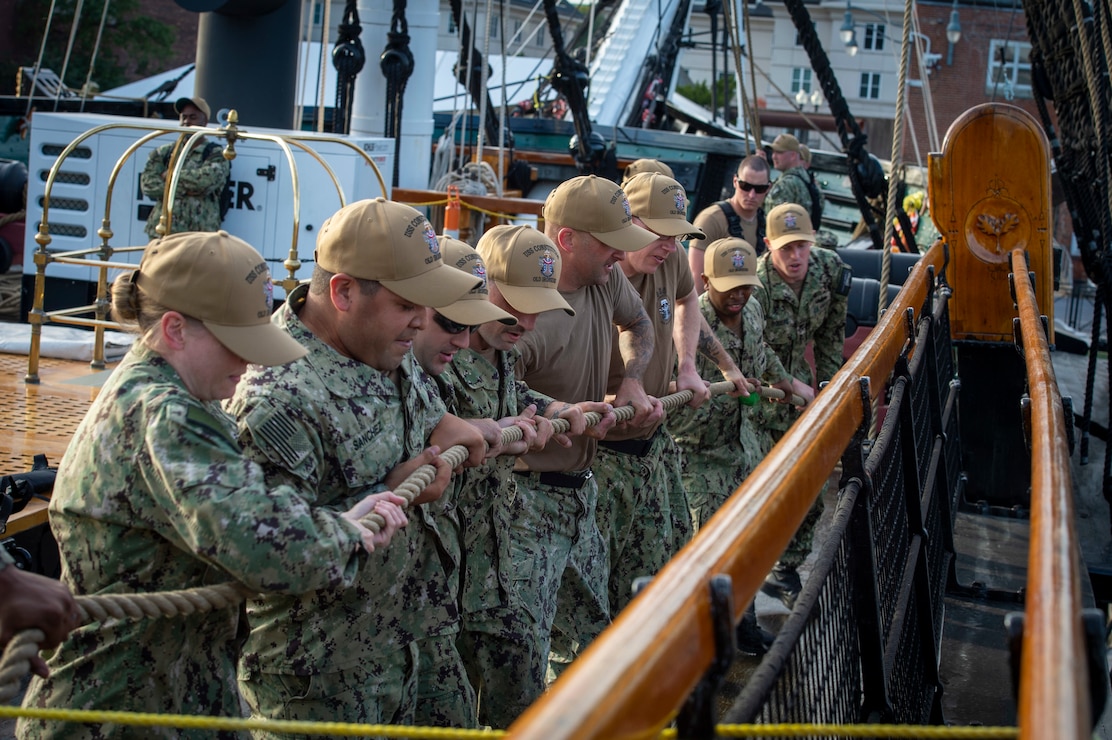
[(132, 45), (699, 92)]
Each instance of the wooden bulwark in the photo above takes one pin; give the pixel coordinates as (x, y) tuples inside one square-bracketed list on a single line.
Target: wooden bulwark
[(1054, 681), (632, 681)]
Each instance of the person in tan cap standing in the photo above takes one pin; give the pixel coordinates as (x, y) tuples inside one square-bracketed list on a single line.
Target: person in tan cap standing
[(796, 184), (643, 509), (156, 486), (499, 633), (589, 220), (645, 164), (203, 177), (804, 293), (342, 420)]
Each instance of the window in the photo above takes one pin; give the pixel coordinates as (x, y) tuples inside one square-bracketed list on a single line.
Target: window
[(451, 23), (874, 37), (318, 13), (1009, 72), (493, 24), (517, 31), (801, 79), (870, 85), (542, 34)]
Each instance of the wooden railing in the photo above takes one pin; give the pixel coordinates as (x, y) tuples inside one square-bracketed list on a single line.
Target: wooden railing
[(1054, 696), (632, 681)]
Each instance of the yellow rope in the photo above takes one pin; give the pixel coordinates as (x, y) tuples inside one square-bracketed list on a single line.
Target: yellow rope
[(185, 721), (348, 729)]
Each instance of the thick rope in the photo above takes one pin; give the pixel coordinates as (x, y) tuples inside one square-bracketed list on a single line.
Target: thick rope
[(16, 660)]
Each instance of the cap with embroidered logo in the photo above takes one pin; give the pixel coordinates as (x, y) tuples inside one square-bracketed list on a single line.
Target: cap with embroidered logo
[(730, 263), (661, 204), (525, 265), (475, 307), (645, 164), (787, 223), (394, 244), (221, 281), (785, 143), (599, 207)]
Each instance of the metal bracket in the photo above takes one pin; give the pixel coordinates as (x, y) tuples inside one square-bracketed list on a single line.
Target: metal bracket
[(1017, 335), (698, 717)]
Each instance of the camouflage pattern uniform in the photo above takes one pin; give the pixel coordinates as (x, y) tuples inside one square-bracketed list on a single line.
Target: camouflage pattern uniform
[(154, 494), (791, 187), (498, 639), (818, 315), (337, 427), (197, 199), (720, 440)]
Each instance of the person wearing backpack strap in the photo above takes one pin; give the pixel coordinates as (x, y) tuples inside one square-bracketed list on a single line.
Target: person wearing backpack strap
[(741, 216), (201, 184), (796, 184)]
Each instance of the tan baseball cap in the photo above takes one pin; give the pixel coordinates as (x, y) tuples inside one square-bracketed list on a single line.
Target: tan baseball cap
[(394, 244), (224, 283), (805, 153), (475, 307), (599, 207), (787, 223), (201, 104), (645, 164), (730, 263), (785, 143), (661, 203), (525, 265)]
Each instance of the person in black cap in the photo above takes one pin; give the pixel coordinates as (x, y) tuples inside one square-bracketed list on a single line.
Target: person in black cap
[(204, 175)]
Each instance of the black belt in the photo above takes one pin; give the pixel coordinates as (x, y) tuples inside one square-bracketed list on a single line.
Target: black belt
[(635, 447), (574, 481)]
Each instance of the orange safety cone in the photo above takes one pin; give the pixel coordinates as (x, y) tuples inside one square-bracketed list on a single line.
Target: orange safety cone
[(451, 213)]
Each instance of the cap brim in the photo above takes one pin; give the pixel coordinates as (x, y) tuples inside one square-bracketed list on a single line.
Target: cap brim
[(726, 284), (786, 239), (535, 300), (627, 239), (674, 227), (262, 344), (441, 286), (475, 311)]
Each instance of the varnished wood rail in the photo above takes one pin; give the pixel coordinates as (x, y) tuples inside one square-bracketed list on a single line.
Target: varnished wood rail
[(632, 681), (1054, 680)]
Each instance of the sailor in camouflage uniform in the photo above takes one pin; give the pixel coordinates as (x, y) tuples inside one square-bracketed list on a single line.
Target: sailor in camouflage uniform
[(345, 417), (201, 181), (719, 440), (643, 508), (795, 184), (498, 640), (803, 293), (589, 221), (153, 494)]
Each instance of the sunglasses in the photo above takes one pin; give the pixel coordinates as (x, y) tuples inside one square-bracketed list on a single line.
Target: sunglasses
[(451, 326), (747, 186)]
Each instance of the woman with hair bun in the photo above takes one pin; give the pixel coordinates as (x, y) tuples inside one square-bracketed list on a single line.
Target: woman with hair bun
[(154, 494)]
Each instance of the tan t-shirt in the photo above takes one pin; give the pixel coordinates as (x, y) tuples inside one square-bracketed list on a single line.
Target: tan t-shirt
[(658, 292), (568, 358), (712, 222)]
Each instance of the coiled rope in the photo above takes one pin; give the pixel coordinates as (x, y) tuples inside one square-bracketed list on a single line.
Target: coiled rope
[(16, 660)]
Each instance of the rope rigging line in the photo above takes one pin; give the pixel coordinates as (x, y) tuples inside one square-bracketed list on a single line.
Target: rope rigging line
[(326, 25), (397, 66), (85, 91), (348, 57), (897, 147), (15, 662), (69, 50), (38, 61), (755, 122)]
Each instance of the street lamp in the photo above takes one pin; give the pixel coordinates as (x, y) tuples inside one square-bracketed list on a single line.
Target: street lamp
[(816, 99), (800, 98), (846, 31), (953, 33), (851, 47)]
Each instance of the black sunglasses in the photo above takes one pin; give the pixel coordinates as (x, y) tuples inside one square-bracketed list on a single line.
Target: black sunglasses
[(450, 326), (747, 186)]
